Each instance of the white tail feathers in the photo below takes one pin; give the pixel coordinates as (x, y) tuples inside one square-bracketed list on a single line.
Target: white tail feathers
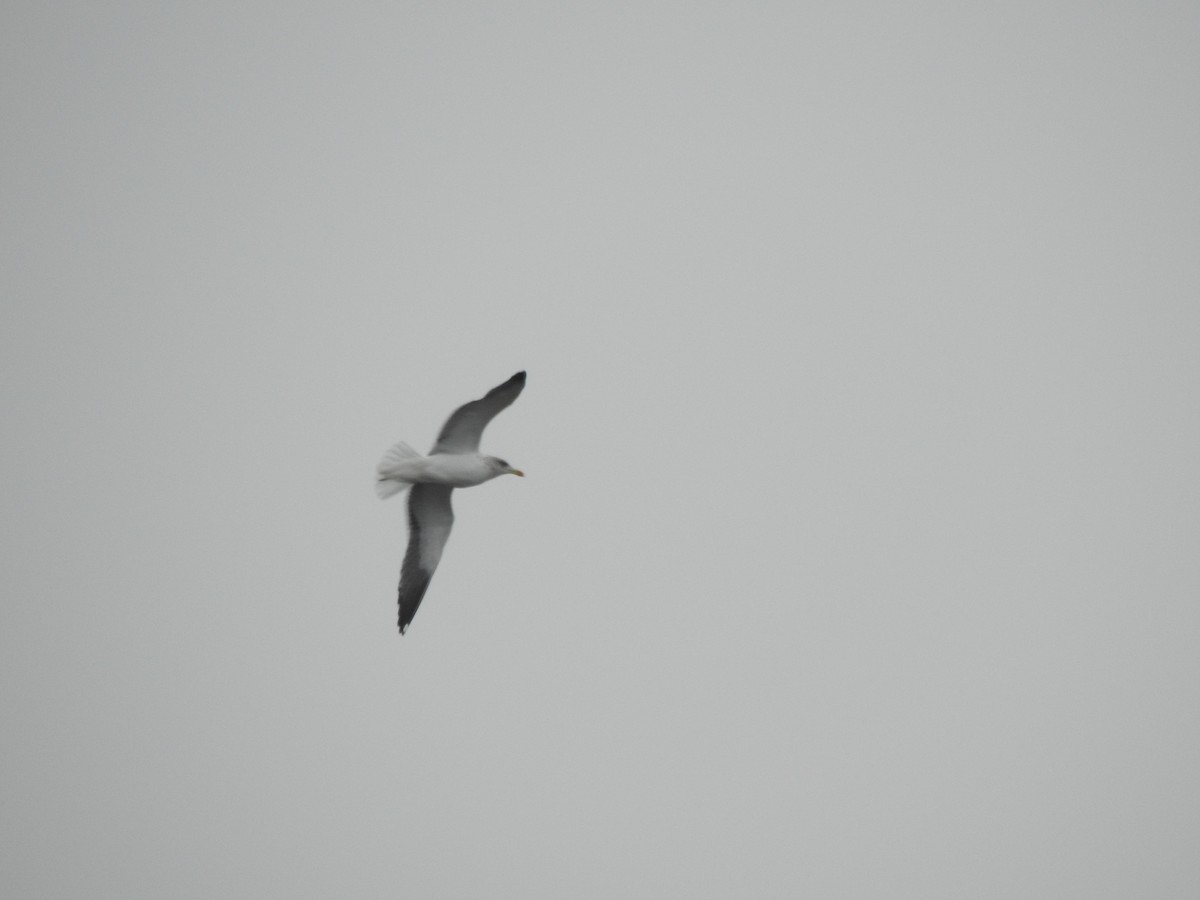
[(388, 487), (391, 466), (395, 456)]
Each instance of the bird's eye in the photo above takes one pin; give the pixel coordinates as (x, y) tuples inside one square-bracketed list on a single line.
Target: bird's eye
[(503, 463)]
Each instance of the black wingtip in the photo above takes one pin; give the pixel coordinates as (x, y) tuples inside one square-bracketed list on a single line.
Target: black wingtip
[(517, 381)]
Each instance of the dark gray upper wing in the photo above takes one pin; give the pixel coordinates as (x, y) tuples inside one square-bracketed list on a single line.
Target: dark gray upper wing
[(429, 520), (464, 428)]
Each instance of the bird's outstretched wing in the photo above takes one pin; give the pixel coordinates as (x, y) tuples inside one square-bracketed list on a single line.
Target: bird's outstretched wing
[(464, 428), (429, 520)]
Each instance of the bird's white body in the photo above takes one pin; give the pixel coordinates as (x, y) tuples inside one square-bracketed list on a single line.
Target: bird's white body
[(454, 469)]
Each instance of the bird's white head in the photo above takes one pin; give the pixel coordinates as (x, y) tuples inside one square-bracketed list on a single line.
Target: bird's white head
[(501, 467)]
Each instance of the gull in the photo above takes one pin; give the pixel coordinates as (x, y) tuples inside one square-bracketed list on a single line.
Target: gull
[(454, 461)]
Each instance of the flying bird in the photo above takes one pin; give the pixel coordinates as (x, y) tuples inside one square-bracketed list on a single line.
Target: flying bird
[(454, 461)]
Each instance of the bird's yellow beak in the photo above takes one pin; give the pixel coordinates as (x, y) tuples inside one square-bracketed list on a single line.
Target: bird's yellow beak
[(517, 472)]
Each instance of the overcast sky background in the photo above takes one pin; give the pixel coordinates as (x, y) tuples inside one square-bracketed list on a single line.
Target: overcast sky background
[(857, 555)]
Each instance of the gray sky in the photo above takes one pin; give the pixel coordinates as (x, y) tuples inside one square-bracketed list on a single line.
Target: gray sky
[(858, 552)]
